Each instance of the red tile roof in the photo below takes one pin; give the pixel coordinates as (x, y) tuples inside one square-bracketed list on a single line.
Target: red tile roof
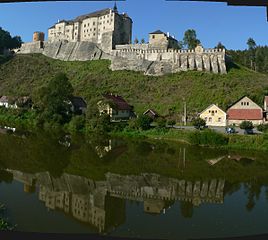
[(245, 114), (119, 102)]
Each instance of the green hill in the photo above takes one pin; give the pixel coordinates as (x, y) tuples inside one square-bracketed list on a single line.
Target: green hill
[(23, 74)]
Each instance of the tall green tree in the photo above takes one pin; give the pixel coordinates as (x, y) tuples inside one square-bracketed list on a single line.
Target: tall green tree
[(251, 47), (8, 42), (220, 46), (53, 101), (190, 39)]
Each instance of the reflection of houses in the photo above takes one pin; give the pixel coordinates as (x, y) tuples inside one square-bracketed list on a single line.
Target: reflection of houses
[(116, 107), (214, 116), (115, 146), (102, 203)]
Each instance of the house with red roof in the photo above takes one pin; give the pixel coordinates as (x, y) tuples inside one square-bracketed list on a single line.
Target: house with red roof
[(116, 107), (245, 110)]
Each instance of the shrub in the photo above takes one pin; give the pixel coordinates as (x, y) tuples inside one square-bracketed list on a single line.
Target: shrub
[(262, 127), (246, 125), (171, 122), (76, 124), (161, 123), (144, 122), (199, 123), (208, 137)]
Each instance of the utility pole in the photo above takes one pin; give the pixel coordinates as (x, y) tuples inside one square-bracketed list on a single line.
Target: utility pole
[(185, 114)]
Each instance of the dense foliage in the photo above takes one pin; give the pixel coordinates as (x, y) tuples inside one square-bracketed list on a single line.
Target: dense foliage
[(246, 125), (8, 42)]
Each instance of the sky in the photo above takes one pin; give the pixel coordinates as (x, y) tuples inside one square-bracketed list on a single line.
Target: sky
[(213, 22)]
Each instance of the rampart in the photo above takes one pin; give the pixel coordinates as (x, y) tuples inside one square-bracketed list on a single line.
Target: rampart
[(136, 57)]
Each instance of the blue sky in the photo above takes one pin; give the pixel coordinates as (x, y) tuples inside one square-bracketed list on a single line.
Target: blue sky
[(213, 22)]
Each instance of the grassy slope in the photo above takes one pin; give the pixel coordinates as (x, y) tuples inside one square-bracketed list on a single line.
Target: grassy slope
[(25, 73)]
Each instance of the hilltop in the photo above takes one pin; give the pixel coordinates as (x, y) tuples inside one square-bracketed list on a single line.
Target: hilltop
[(24, 74)]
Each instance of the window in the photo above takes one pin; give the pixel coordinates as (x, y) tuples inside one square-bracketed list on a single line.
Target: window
[(103, 28), (219, 119), (88, 24), (210, 119), (206, 119), (248, 103), (153, 37), (242, 103), (93, 23), (84, 25), (212, 113)]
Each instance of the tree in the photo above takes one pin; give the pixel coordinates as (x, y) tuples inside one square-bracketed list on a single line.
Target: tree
[(246, 125), (251, 47), (144, 122), (251, 43), (53, 101), (142, 40), (7, 42), (190, 39), (220, 46), (199, 123), (136, 40)]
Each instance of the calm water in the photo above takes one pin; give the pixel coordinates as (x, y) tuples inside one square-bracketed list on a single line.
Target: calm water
[(132, 188)]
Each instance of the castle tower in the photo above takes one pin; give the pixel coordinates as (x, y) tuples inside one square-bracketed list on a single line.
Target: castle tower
[(38, 36), (115, 7)]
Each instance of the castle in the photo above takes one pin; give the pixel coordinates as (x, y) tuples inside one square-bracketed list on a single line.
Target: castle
[(107, 34)]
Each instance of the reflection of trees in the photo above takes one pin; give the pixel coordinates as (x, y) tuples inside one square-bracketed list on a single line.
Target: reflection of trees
[(253, 190), (6, 176), (187, 209)]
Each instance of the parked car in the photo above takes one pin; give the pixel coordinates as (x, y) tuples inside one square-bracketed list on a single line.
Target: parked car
[(248, 131), (230, 130)]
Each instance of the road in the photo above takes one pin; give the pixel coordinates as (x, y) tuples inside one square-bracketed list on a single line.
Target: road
[(218, 129)]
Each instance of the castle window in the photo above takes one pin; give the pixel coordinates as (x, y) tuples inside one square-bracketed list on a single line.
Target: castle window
[(84, 25), (93, 23), (107, 21), (242, 103), (103, 28), (247, 103), (153, 36), (94, 29), (94, 34), (88, 24), (219, 119)]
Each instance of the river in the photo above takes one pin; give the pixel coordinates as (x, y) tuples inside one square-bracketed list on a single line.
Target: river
[(134, 188)]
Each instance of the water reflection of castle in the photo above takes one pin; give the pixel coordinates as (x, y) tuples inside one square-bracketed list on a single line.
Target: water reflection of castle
[(102, 203)]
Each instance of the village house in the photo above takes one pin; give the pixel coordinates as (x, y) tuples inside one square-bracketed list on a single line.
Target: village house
[(116, 107), (214, 116), (151, 113), (78, 105), (12, 102), (245, 110), (8, 102)]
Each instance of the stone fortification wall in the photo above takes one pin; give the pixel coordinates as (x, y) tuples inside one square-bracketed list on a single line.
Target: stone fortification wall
[(210, 60), (134, 57)]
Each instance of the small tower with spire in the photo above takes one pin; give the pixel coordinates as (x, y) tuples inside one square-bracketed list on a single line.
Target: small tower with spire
[(115, 7)]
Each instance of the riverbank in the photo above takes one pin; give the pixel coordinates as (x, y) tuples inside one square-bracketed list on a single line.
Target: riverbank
[(206, 138)]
